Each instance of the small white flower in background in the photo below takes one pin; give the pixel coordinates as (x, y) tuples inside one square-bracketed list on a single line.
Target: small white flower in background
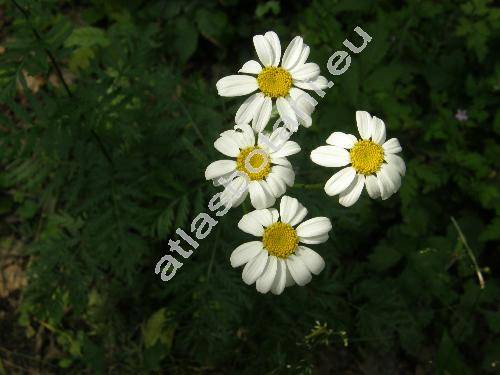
[(461, 115), (274, 81), (260, 167), (373, 161), (278, 260)]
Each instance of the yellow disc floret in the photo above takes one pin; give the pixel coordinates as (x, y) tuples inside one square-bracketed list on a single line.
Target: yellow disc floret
[(274, 82), (254, 162), (366, 157), (280, 239)]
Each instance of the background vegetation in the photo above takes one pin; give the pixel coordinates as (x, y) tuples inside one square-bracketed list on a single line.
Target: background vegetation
[(108, 115)]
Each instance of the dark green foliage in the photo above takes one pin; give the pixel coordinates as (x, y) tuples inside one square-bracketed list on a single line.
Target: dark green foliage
[(99, 170)]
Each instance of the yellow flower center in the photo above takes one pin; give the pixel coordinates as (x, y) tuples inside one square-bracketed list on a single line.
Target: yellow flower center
[(254, 162), (366, 157), (274, 82), (280, 239)]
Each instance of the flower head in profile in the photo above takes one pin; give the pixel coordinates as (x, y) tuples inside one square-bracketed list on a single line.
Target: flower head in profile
[(370, 161), (277, 80), (278, 259), (258, 167)]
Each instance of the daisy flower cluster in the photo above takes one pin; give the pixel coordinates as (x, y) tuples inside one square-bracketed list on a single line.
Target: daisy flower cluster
[(255, 164)]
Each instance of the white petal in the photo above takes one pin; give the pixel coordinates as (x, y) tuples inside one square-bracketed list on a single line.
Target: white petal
[(263, 49), (316, 226), (245, 252), (292, 53), (250, 223), (392, 146), (238, 201), (289, 281), (291, 210), (397, 162), (330, 156), (289, 148), (265, 281), (260, 194), (287, 113), (236, 85), (249, 108), (303, 105), (219, 168), (372, 187), (319, 83), (395, 177), (384, 184), (281, 161), (246, 135), (275, 213), (227, 145), (254, 268), (313, 261), (235, 191), (378, 134), (274, 41), (275, 141), (304, 54), (340, 181), (264, 217), (263, 115), (343, 140), (298, 270), (303, 100), (276, 184), (351, 195), (288, 208), (389, 181), (303, 116), (224, 179), (299, 216), (314, 240), (251, 67), (280, 279), (364, 123), (305, 72), (286, 174)]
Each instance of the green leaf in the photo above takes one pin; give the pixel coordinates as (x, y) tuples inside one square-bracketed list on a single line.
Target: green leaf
[(80, 59), (449, 360), (87, 36), (272, 6), (28, 209), (493, 319), (159, 329), (211, 23), (384, 257), (185, 39)]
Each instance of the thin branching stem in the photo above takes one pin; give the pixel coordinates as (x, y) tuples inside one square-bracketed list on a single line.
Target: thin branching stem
[(469, 251), (61, 77)]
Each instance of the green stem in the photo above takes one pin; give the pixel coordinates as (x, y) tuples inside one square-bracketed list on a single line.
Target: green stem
[(59, 73), (469, 251)]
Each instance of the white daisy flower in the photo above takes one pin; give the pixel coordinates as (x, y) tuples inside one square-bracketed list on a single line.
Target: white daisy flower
[(260, 167), (373, 161), (278, 259), (274, 81)]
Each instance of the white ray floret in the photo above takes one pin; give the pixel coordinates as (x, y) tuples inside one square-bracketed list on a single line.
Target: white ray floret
[(278, 81), (279, 258), (257, 167), (369, 162)]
